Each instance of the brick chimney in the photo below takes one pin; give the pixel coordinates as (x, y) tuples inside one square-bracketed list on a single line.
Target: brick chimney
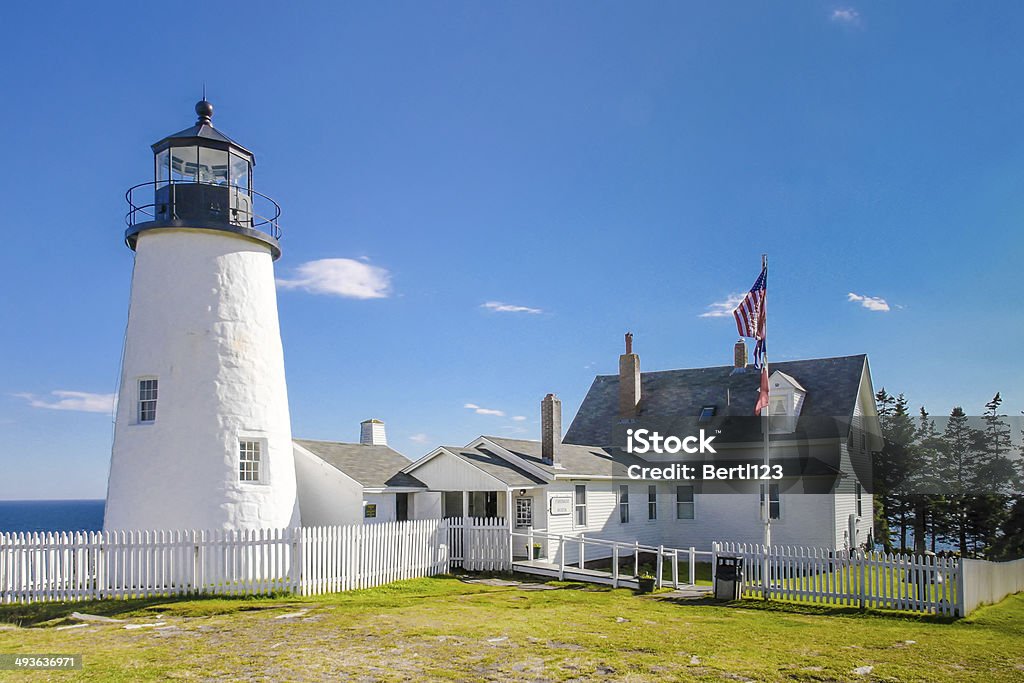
[(739, 355), (629, 380), (550, 427), (371, 433)]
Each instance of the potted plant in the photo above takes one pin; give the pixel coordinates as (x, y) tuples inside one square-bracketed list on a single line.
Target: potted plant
[(536, 551), (646, 582)]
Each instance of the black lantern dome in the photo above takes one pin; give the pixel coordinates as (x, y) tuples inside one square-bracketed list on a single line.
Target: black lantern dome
[(203, 180)]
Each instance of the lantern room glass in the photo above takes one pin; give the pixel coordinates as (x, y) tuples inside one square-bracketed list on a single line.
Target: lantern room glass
[(184, 164), (163, 168), (213, 166), (241, 172)]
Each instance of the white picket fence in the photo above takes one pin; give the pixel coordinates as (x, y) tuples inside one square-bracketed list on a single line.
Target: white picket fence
[(855, 578), (307, 561)]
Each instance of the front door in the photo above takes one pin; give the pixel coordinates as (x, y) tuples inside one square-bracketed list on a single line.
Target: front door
[(402, 507)]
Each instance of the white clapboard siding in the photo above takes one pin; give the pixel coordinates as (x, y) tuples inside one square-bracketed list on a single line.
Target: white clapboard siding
[(852, 578), (38, 567)]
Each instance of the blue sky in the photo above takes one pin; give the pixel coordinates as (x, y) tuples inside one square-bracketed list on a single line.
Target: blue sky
[(608, 167)]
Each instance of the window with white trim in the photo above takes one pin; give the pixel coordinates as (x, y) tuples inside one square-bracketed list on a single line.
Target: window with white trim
[(652, 502), (684, 502), (860, 500), (524, 512), (624, 503), (581, 505), (147, 399), (774, 502), (249, 457)]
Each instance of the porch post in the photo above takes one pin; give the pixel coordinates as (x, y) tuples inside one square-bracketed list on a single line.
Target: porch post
[(509, 522)]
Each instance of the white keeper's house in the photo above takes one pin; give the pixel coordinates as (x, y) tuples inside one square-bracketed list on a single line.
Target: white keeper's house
[(579, 484)]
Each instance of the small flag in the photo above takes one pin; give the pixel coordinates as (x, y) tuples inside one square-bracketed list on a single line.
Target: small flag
[(762, 396), (752, 315)]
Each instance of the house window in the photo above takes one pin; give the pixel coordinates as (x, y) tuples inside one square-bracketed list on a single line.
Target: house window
[(624, 503), (684, 502), (652, 502), (147, 400), (860, 500), (706, 413), (249, 452), (370, 511), (778, 417), (524, 512), (581, 505), (773, 501)]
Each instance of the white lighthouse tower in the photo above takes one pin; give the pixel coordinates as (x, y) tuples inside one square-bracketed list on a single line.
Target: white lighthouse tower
[(202, 436)]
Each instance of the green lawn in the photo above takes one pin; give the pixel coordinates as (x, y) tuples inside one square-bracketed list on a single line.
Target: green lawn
[(443, 628)]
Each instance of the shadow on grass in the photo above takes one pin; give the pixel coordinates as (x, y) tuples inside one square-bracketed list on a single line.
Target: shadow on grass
[(37, 613), (811, 610)]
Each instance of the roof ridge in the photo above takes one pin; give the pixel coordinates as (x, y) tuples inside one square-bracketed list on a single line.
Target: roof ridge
[(724, 367)]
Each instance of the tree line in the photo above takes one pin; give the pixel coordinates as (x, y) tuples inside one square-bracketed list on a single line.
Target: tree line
[(952, 482)]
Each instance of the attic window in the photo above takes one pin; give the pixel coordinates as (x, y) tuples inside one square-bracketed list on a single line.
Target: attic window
[(706, 413)]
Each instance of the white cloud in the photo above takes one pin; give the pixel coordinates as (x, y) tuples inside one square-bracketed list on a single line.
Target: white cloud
[(846, 15), (341, 277), (872, 303), (509, 308), (723, 309), (519, 418), (419, 438), (484, 411), (80, 401)]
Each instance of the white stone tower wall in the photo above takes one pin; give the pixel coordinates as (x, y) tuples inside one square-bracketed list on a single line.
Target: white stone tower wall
[(202, 319)]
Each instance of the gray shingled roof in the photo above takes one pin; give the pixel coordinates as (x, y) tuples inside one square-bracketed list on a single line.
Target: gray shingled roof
[(497, 467), (371, 466), (574, 459), (832, 385)]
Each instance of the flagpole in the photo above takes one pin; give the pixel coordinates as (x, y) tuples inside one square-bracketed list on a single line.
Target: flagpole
[(765, 428)]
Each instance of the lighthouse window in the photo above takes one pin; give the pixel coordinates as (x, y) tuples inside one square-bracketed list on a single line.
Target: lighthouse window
[(147, 400), (248, 460)]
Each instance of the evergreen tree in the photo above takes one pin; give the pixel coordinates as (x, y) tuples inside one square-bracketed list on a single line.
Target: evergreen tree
[(926, 504), (1010, 544), (894, 468)]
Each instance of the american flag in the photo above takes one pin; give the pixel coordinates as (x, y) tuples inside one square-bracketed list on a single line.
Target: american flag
[(752, 315), (762, 396)]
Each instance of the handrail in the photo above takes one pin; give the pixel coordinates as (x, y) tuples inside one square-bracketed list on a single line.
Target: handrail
[(609, 543), (265, 221)]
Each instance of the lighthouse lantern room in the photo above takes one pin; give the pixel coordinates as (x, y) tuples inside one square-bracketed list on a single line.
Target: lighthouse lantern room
[(202, 435)]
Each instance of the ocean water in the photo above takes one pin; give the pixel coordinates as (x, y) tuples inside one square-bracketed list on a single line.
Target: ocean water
[(51, 515)]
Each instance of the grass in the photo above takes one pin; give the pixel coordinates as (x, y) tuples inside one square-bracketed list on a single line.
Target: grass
[(447, 629)]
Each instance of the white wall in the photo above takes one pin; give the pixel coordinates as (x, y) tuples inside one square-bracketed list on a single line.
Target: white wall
[(806, 519), (446, 472), (425, 505), (203, 320), (326, 495)]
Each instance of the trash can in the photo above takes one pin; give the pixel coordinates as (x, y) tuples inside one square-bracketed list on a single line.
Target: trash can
[(728, 578)]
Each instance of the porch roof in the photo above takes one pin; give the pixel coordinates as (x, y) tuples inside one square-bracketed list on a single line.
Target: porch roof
[(498, 468)]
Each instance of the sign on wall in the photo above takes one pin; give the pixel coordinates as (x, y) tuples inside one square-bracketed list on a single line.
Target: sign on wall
[(560, 505)]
